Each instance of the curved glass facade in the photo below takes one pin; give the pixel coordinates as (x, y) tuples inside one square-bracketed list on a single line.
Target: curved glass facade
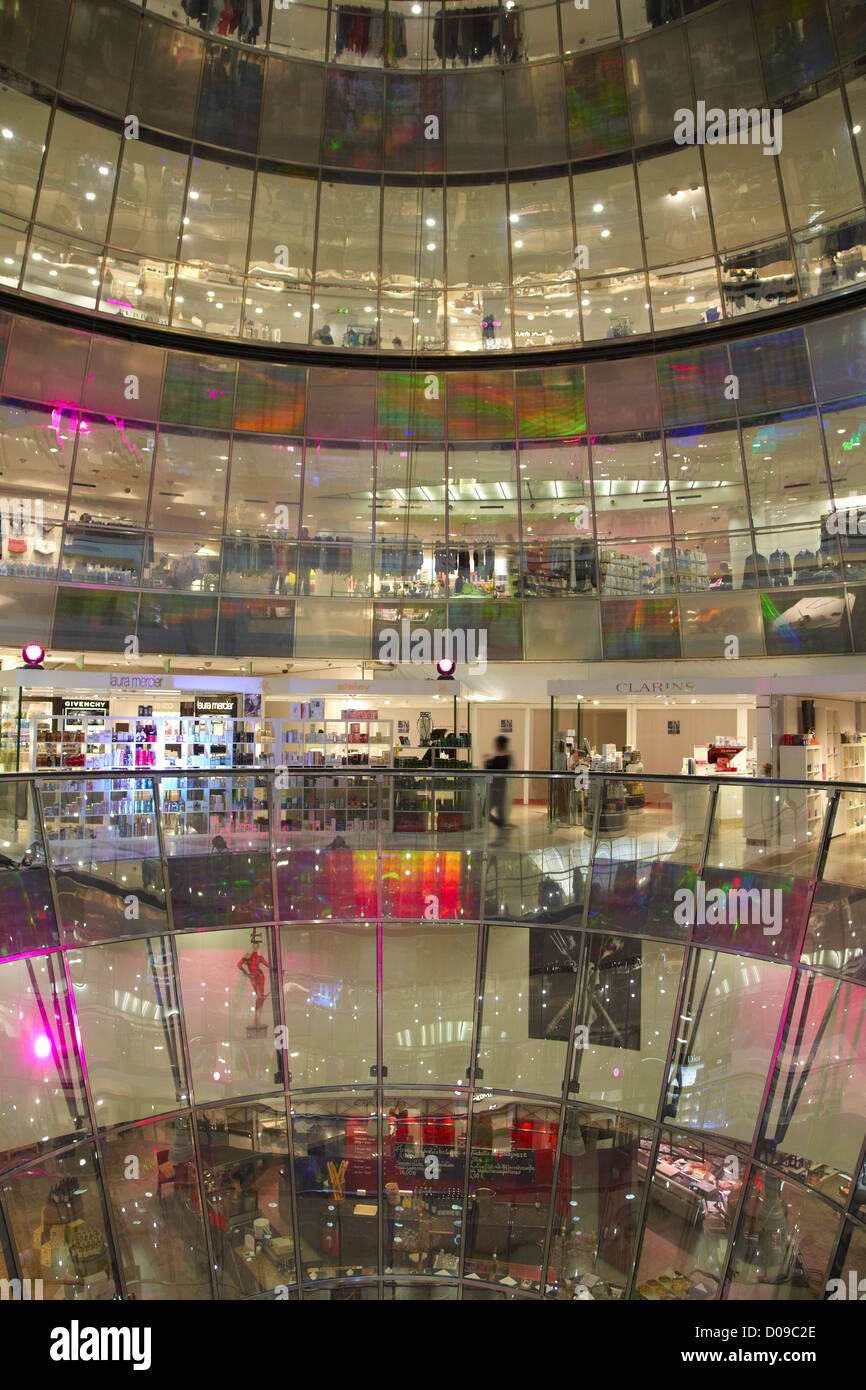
[(640, 508), (153, 171), (353, 1088)]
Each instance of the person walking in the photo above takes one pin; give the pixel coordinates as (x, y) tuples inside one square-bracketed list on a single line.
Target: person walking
[(500, 801)]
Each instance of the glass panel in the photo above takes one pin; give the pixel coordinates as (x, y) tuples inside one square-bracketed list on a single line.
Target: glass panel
[(348, 249), (693, 1199), (650, 839), (817, 138), (130, 1027), (57, 1221), (761, 856), (215, 829), (230, 97), (707, 623), (724, 60), (549, 623), (761, 277), (32, 41), (78, 178), (588, 28), (247, 1184), (338, 480), (641, 628), (216, 216), (13, 239), (149, 201), (43, 1095), (234, 1052), (674, 204), (811, 620), (744, 192), (166, 76), (294, 87), (813, 1125), (783, 1242), (658, 83), (104, 848), (26, 121), (627, 994), (614, 307), (156, 1210), (101, 556), (510, 1181), (595, 1218), (352, 128), (518, 1047), (785, 467), (707, 478), (534, 110), (335, 627), (336, 1168), (831, 259), (283, 228), (725, 1038), (329, 995), (428, 995), (837, 923), (188, 495), (424, 1166), (27, 911), (605, 208), (477, 233), (137, 288), (112, 473), (596, 101), (685, 294), (300, 29), (99, 55), (45, 363), (409, 101), (794, 49), (473, 120), (630, 487), (90, 620)]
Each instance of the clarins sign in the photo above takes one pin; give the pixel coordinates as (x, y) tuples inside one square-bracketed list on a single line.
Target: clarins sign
[(655, 687)]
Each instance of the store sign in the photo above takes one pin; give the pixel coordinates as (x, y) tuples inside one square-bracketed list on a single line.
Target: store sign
[(83, 706), (359, 714), (655, 687), (141, 683), (226, 705)]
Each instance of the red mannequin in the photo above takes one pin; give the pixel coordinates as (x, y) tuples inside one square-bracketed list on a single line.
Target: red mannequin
[(252, 965)]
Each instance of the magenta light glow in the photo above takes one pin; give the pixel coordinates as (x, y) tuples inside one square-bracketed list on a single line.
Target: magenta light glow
[(42, 1046)]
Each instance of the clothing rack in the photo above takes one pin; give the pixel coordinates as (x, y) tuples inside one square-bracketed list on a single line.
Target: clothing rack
[(360, 30), (478, 32)]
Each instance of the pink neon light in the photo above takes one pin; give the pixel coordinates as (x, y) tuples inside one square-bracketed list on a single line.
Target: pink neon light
[(42, 1046)]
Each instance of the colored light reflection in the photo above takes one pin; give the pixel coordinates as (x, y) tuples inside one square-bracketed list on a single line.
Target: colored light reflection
[(42, 1046)]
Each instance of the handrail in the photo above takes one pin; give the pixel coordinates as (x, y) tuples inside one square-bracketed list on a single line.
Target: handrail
[(455, 770)]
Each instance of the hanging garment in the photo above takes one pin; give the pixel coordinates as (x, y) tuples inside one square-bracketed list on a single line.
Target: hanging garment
[(376, 35), (343, 29), (781, 568)]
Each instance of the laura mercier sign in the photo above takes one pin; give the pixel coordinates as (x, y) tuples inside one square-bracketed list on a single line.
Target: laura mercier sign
[(217, 704)]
